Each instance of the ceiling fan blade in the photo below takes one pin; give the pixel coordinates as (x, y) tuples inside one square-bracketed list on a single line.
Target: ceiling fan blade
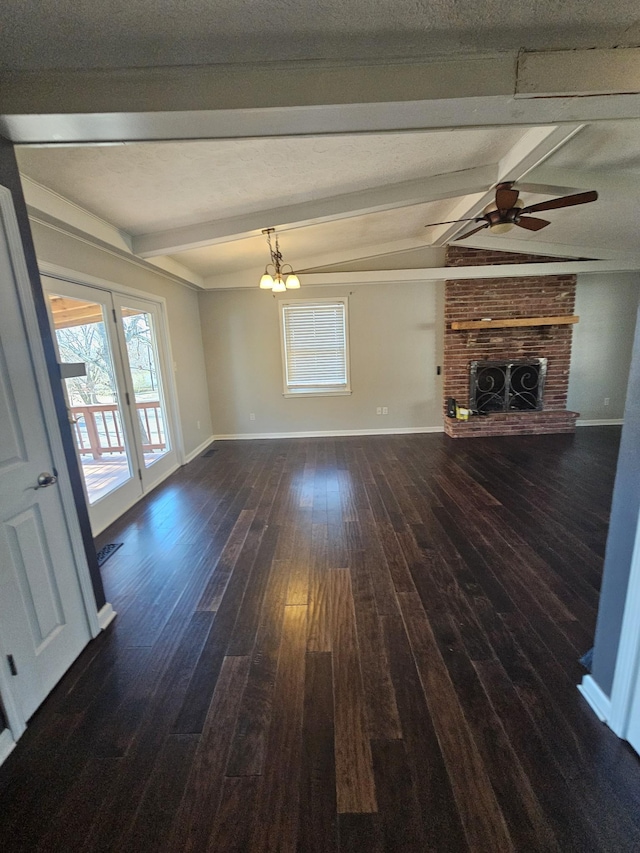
[(453, 221), (564, 201), (473, 231), (505, 197), (532, 223)]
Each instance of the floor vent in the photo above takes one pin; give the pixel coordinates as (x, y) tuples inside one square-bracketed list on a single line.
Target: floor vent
[(106, 551)]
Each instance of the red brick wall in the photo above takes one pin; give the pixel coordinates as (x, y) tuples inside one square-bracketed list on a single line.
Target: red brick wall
[(534, 296)]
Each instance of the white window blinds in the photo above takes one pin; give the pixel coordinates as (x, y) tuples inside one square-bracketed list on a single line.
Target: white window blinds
[(315, 346)]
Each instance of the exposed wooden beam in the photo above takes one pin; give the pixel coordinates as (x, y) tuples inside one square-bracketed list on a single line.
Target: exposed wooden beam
[(610, 183), (404, 194), (247, 279), (472, 272), (530, 151), (494, 242)]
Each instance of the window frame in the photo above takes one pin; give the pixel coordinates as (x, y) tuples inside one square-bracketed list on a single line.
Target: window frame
[(330, 391)]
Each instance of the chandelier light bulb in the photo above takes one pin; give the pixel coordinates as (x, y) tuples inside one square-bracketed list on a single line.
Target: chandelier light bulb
[(292, 282), (278, 284), (266, 282)]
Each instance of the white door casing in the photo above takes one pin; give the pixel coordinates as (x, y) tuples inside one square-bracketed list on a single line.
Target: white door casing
[(47, 608)]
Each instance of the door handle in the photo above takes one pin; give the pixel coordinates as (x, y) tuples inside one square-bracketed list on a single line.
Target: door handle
[(45, 479)]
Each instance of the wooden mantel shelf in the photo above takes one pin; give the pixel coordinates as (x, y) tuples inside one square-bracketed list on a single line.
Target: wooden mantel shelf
[(514, 322)]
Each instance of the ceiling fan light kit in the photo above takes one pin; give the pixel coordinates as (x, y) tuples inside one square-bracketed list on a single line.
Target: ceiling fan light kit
[(507, 212), (280, 279)]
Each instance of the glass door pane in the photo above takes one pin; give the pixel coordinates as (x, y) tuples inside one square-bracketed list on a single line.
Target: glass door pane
[(92, 395), (146, 381), (144, 348)]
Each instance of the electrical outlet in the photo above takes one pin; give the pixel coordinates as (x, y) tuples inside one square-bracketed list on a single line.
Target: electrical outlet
[(385, 410), (606, 401), (252, 416), (379, 410)]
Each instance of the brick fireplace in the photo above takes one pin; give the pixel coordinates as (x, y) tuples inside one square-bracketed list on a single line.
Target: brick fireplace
[(542, 297)]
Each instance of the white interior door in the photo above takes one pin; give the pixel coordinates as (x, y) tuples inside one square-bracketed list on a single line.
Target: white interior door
[(43, 621)]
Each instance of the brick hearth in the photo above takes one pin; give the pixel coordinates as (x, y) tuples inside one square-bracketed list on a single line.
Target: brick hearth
[(501, 298)]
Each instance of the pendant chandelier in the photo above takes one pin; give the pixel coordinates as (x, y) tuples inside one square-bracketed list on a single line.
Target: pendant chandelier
[(282, 278)]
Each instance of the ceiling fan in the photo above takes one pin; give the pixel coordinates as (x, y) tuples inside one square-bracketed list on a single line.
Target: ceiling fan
[(507, 211)]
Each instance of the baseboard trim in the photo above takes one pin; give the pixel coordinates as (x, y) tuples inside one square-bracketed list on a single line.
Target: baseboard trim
[(106, 615), (601, 422), (199, 449), (7, 744), (598, 701), (330, 433)]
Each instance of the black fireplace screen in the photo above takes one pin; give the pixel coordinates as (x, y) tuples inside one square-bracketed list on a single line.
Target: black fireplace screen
[(511, 386)]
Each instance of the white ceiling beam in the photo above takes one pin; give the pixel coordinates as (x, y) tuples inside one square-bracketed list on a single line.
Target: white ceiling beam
[(310, 98), (529, 152), (612, 183), (404, 194), (248, 279), (474, 272), (494, 242)]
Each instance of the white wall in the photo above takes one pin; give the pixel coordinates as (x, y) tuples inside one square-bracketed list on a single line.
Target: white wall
[(183, 317), (395, 339), (602, 344)]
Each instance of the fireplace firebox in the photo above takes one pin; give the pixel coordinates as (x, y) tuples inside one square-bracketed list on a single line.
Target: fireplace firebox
[(507, 386)]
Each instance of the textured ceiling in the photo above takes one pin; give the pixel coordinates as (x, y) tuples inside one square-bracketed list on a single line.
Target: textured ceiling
[(154, 186), (112, 33)]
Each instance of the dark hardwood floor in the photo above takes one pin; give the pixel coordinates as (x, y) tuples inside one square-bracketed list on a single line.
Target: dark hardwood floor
[(353, 644)]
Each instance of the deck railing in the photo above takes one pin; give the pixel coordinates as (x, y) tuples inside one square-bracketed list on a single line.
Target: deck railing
[(98, 429)]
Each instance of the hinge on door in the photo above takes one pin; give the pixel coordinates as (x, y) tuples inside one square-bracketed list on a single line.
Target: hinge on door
[(140, 474), (115, 318), (12, 665), (126, 396)]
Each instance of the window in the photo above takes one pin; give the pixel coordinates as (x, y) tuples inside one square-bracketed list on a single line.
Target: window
[(314, 347)]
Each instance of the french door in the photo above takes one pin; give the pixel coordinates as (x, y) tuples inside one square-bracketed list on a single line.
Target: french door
[(113, 373)]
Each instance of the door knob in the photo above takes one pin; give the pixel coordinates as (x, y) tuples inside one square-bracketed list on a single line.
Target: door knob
[(46, 479)]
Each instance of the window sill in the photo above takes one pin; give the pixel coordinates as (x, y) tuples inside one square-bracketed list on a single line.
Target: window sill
[(333, 392)]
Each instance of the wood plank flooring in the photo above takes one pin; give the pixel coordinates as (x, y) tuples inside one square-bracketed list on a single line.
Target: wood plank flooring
[(342, 645)]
